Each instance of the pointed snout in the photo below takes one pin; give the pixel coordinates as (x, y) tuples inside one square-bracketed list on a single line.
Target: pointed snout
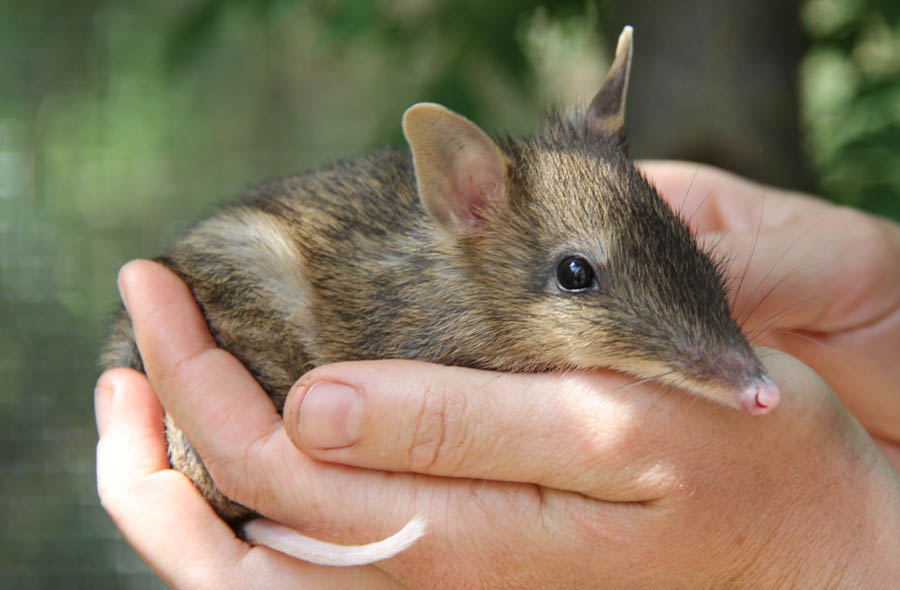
[(760, 397)]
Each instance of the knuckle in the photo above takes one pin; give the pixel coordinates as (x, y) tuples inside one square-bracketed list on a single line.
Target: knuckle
[(241, 475), (437, 437), (229, 475)]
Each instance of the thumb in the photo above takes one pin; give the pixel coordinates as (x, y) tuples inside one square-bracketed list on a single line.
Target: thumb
[(599, 434)]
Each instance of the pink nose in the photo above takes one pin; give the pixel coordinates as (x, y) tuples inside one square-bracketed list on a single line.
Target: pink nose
[(760, 397)]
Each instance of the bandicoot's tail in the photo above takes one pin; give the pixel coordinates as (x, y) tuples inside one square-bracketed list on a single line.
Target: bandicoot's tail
[(288, 541)]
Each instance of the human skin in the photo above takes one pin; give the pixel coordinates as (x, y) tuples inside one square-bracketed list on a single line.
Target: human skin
[(543, 480), (823, 282)]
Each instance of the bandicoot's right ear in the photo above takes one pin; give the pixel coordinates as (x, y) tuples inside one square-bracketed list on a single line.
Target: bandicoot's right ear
[(461, 174), (606, 114)]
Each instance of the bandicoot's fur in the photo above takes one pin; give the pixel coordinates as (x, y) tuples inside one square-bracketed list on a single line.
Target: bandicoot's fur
[(452, 253)]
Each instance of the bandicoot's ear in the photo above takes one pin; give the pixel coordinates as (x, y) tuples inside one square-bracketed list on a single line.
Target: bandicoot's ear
[(461, 174), (606, 115)]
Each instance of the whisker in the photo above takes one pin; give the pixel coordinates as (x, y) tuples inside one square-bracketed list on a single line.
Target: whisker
[(762, 208), (668, 389), (765, 325), (687, 191), (787, 276), (705, 199), (640, 380), (711, 248), (808, 338), (784, 253)]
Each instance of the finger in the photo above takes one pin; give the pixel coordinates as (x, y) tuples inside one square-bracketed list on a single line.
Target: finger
[(814, 277), (149, 502), (206, 390), (130, 423), (713, 200), (153, 505), (776, 281), (234, 426), (599, 434), (858, 365)]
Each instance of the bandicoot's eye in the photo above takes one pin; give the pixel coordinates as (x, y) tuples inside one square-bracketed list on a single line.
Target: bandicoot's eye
[(574, 273)]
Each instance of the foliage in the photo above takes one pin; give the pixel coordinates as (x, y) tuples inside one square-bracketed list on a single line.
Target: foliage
[(851, 83)]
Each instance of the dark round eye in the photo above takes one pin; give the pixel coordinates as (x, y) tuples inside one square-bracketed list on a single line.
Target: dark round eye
[(574, 273)]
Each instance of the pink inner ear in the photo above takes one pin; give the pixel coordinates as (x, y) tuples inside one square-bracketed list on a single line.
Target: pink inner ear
[(478, 181)]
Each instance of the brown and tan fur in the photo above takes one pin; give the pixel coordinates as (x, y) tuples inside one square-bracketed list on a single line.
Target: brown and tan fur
[(401, 255)]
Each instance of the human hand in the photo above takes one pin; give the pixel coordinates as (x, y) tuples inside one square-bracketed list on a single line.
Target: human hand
[(168, 522), (527, 480), (158, 510), (815, 280)]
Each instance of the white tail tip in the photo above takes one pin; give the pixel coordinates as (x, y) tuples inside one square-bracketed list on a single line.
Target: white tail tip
[(288, 541)]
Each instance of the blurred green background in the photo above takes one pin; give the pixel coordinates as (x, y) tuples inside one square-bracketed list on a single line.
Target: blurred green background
[(122, 121)]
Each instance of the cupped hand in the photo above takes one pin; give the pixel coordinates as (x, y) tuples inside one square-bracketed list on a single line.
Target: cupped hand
[(527, 480), (818, 281), (166, 520)]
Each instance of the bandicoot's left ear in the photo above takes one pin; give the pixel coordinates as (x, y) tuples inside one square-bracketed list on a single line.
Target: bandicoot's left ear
[(606, 114), (461, 174)]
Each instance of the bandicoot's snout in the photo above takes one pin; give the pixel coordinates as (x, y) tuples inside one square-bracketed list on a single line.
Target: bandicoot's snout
[(760, 397)]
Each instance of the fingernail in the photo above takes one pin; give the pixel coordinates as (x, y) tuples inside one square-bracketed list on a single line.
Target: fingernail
[(330, 415), (120, 283), (103, 394)]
